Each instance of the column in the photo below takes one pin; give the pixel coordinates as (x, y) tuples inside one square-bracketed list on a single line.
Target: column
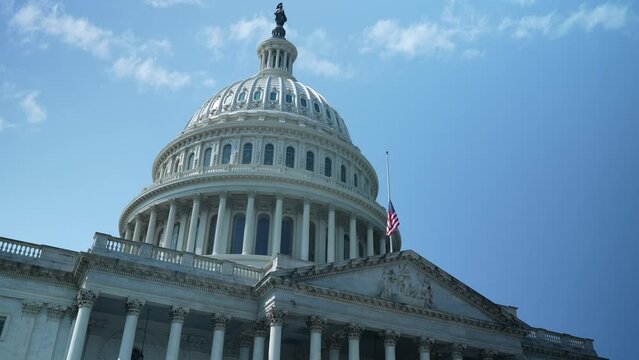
[(390, 340), (176, 315), (150, 230), (334, 344), (424, 344), (315, 324), (133, 308), (128, 235), (168, 229), (245, 346), (322, 241), (249, 225), (277, 224), (30, 311), (353, 331), (487, 354), (219, 322), (268, 59), (306, 223), (195, 215), (457, 351), (382, 245), (85, 299), (63, 335), (275, 318), (330, 246), (259, 334), (352, 234), (137, 229), (370, 249), (221, 214), (50, 333)]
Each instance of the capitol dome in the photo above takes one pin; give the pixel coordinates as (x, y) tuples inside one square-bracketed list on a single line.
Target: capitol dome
[(265, 166)]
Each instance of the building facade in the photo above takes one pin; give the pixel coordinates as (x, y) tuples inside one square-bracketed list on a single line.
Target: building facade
[(259, 238)]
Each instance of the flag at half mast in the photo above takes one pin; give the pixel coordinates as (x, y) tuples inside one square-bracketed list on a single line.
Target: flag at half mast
[(392, 222)]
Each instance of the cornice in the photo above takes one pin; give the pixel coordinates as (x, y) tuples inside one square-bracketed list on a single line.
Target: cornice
[(37, 273)]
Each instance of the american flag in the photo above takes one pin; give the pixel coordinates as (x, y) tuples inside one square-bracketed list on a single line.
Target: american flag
[(392, 223)]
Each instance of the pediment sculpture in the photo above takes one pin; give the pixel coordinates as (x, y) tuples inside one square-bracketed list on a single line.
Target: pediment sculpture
[(401, 285)]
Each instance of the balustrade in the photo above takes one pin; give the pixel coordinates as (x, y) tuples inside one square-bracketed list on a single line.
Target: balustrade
[(19, 248)]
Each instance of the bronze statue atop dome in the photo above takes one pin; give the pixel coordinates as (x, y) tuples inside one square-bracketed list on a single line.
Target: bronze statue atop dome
[(280, 19)]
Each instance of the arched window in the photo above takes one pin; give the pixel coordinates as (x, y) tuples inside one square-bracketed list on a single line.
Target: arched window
[(355, 179), (176, 166), (261, 241), (290, 157), (226, 154), (211, 243), (288, 98), (174, 236), (257, 96), (347, 247), (310, 161), (191, 162), (272, 96), (303, 102), (342, 174), (247, 153), (238, 234), (328, 167), (242, 96), (286, 244), (311, 242), (207, 157), (316, 107), (268, 154)]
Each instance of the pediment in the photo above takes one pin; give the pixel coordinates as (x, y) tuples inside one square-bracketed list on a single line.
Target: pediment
[(404, 279)]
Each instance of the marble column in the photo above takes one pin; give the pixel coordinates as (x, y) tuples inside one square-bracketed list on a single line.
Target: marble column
[(382, 245), (457, 351), (128, 235), (370, 249), (259, 334), (150, 230), (306, 223), (330, 243), (315, 324), (85, 299), (249, 225), (195, 215), (277, 224), (487, 354), (219, 322), (170, 222), (221, 215), (133, 308), (137, 229), (390, 340), (353, 331), (334, 344), (352, 234), (275, 318), (30, 311), (176, 315), (50, 333), (245, 346), (425, 345)]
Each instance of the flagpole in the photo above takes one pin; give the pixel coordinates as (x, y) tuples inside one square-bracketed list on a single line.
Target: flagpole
[(388, 186)]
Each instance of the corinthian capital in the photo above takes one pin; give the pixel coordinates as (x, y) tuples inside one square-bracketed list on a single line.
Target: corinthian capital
[(86, 298), (353, 331), (390, 337), (335, 342), (458, 349), (315, 323), (275, 317), (220, 321), (31, 307), (259, 328), (178, 313), (56, 312), (133, 306), (425, 343)]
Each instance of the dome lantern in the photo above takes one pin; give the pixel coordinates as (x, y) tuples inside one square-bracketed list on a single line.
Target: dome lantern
[(276, 55)]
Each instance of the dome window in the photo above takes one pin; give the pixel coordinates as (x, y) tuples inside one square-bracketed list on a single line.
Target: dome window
[(272, 96), (303, 102), (247, 153), (355, 179), (310, 161), (257, 96), (316, 107), (290, 157), (328, 167), (342, 175), (228, 99), (226, 154), (289, 98), (268, 154), (216, 104), (328, 114), (242, 96), (207, 157)]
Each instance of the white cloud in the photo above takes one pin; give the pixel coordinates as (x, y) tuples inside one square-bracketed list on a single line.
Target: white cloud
[(4, 124), (147, 72), (213, 38), (244, 29), (471, 54), (169, 3), (522, 3), (527, 26), (309, 62), (209, 82), (34, 111), (414, 39)]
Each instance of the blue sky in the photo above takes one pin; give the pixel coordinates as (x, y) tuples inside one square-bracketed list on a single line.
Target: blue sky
[(512, 127)]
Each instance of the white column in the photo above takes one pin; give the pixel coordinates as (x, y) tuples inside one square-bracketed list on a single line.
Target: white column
[(306, 223), (334, 345), (457, 351), (219, 322), (277, 59), (277, 224), (168, 229), (219, 230), (150, 230), (352, 234), (322, 241), (133, 308), (370, 249), (424, 344), (249, 225), (330, 246), (128, 235), (62, 339), (353, 331), (137, 229), (315, 325), (195, 214), (390, 339), (275, 318), (259, 334), (382, 245), (30, 311), (86, 299), (245, 346), (202, 236), (176, 315)]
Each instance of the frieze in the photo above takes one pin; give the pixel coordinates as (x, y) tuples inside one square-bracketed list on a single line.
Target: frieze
[(37, 273), (400, 284)]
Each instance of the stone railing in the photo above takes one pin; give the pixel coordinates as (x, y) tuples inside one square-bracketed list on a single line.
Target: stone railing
[(106, 245), (561, 339), (19, 248)]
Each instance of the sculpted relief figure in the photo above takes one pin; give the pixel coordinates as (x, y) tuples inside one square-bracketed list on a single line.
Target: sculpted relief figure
[(406, 287)]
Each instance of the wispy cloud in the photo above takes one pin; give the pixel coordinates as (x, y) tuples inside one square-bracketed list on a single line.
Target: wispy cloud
[(169, 3), (471, 54), (244, 29), (309, 62), (148, 72), (521, 3), (213, 38), (34, 111), (4, 124), (25, 100)]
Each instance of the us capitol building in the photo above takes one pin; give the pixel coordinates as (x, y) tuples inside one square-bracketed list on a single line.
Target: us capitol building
[(259, 238)]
